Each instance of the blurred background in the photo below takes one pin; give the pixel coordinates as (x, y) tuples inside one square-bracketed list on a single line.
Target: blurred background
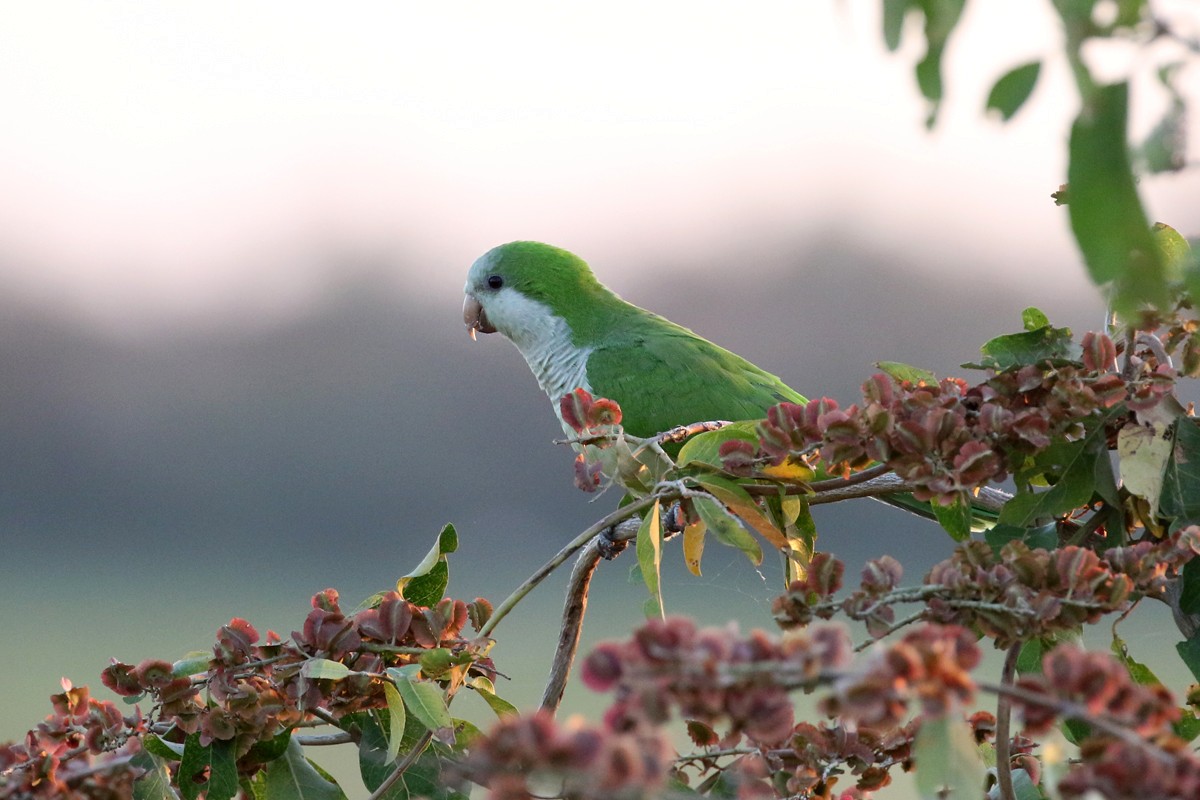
[(233, 240)]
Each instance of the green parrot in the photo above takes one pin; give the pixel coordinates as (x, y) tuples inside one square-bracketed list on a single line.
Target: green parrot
[(574, 332)]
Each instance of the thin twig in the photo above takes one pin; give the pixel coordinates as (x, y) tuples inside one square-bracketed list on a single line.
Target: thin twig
[(1076, 711), (580, 541), (909, 620), (410, 758), (324, 739), (855, 477), (1003, 720)]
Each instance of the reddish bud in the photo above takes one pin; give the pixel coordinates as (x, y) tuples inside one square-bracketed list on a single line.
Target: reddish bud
[(121, 679), (587, 474), (154, 673), (604, 412), (574, 409), (1099, 352)]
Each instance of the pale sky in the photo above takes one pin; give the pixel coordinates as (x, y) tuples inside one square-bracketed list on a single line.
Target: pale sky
[(161, 160)]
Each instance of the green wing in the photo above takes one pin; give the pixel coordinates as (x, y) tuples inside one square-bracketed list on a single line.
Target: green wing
[(663, 375)]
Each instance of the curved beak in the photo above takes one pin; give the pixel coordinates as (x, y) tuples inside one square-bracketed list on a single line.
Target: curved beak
[(474, 318)]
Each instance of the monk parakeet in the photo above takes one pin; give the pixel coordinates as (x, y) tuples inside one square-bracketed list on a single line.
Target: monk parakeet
[(576, 333)]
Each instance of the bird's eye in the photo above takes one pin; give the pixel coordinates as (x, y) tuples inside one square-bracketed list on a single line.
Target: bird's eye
[(495, 281)]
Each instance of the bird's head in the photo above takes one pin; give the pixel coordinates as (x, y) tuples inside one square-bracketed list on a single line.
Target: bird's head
[(519, 288)]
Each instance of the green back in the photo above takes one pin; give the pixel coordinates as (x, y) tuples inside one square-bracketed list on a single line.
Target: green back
[(664, 375)]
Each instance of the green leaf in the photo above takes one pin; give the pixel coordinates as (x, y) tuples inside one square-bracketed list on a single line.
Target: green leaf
[(1075, 730), (955, 518), (739, 501), (487, 690), (649, 557), (192, 663), (1106, 213), (894, 12), (1012, 90), (1189, 590), (426, 590), (423, 779), (155, 782), (1189, 651), (293, 777), (447, 542), (906, 372), (171, 751), (1180, 498), (397, 720), (726, 529), (324, 669), (208, 770), (1072, 467), (704, 448), (424, 700), (1139, 672), (426, 584), (265, 751), (1033, 318), (941, 17), (435, 662), (1029, 659), (1024, 788), (947, 759), (1030, 347), (1042, 537)]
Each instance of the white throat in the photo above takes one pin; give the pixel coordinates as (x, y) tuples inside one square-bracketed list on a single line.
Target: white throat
[(544, 339)]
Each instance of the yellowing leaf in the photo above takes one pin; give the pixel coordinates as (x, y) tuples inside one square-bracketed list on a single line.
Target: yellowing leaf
[(693, 546), (649, 556), (726, 529), (739, 502), (791, 471), (1143, 451)]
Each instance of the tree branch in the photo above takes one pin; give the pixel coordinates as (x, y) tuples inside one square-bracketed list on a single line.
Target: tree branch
[(1003, 720), (574, 608), (580, 541)]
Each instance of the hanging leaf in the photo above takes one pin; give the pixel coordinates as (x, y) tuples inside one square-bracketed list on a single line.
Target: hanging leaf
[(209, 770), (1106, 213), (294, 777), (487, 690), (424, 701), (1012, 89), (737, 500), (955, 518), (397, 718), (948, 761), (726, 528), (649, 556), (693, 546)]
